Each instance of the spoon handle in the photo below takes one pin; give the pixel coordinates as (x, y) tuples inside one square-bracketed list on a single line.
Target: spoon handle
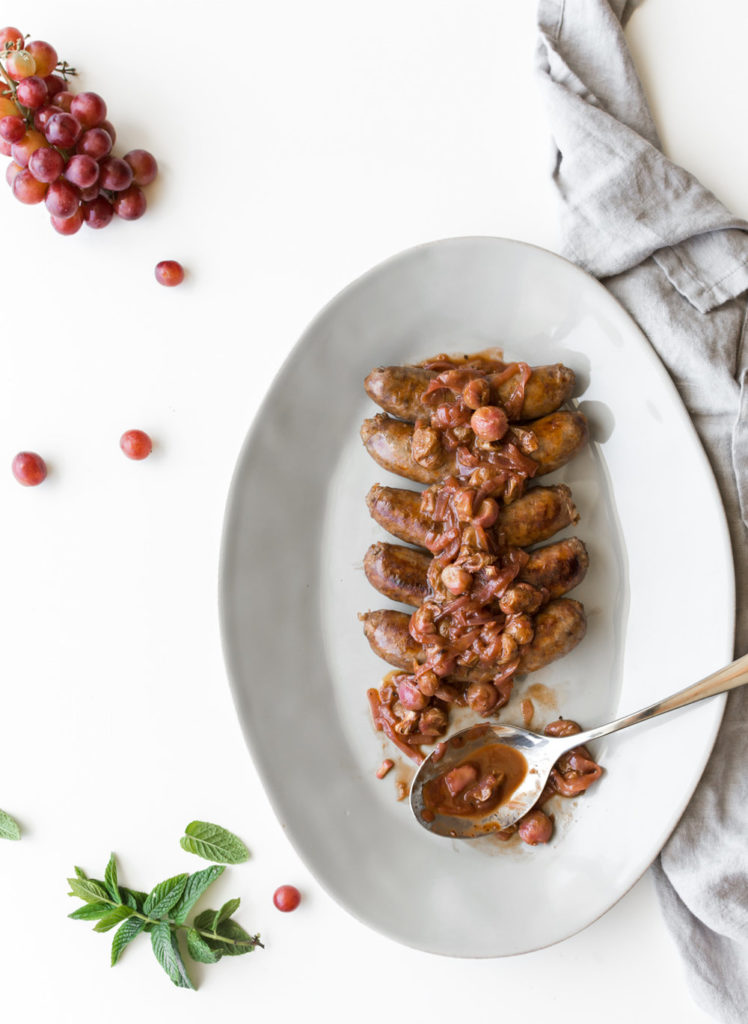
[(727, 678)]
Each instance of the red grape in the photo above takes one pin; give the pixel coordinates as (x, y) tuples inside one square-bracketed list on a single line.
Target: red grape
[(29, 469), (12, 129), (22, 150), (62, 130), (144, 166), (5, 148), (46, 164), (115, 175), (136, 444), (130, 204), (10, 35), (88, 108), (62, 199), (43, 114), (7, 106), (109, 129), (169, 273), (68, 225), (11, 171), (27, 189), (63, 99), (98, 212), (20, 64), (32, 92), (95, 142), (87, 194), (55, 84), (82, 170), (286, 898), (45, 56)]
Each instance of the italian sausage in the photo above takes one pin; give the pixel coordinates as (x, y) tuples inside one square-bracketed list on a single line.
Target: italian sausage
[(399, 390), (559, 627), (400, 573), (560, 436), (531, 519)]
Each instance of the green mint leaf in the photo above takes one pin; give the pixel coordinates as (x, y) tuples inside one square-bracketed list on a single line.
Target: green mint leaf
[(80, 872), (231, 930), (196, 886), (166, 950), (199, 949), (165, 896), (87, 889), (133, 898), (124, 935), (110, 879), (204, 921), (229, 908), (213, 843), (9, 827), (113, 918), (91, 911)]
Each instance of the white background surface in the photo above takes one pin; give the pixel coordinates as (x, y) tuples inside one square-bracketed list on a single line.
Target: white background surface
[(299, 144)]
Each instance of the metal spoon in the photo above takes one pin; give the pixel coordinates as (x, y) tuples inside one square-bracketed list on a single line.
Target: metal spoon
[(541, 753)]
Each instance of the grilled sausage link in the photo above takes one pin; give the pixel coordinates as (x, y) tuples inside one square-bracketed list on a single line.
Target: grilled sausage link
[(399, 390), (559, 627), (531, 519), (399, 573), (560, 436)]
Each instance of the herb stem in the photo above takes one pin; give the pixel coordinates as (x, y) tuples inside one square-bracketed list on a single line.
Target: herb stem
[(253, 941)]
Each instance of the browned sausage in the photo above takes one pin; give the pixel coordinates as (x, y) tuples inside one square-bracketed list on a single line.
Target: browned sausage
[(560, 436), (531, 519), (399, 573), (559, 627), (399, 390)]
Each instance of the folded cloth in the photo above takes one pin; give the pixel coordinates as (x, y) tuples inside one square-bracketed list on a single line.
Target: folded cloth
[(677, 260)]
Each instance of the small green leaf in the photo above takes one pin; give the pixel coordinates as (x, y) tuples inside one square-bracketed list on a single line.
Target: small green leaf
[(112, 919), (231, 930), (91, 911), (88, 890), (213, 843), (196, 886), (80, 872), (229, 908), (164, 896), (9, 827), (124, 935), (167, 953), (204, 921), (110, 879), (132, 897), (200, 950)]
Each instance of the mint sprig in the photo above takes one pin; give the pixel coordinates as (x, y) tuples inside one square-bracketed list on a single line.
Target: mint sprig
[(9, 827), (163, 913)]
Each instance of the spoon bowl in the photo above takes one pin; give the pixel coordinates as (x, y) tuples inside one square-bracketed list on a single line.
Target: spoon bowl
[(540, 754)]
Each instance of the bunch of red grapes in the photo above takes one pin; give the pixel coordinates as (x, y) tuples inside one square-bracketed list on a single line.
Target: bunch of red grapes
[(61, 142)]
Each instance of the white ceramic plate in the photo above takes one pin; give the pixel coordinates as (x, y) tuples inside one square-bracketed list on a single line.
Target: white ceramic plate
[(292, 583)]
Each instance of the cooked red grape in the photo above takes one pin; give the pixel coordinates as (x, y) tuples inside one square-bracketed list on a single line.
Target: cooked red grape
[(169, 273), (88, 108), (115, 174), (286, 898), (22, 150), (12, 129), (144, 166), (98, 212), (20, 64), (82, 170), (45, 56), (130, 204), (68, 225), (62, 199), (29, 469), (62, 130), (46, 164), (96, 142), (32, 92), (55, 84), (10, 35), (27, 189), (43, 114), (136, 444)]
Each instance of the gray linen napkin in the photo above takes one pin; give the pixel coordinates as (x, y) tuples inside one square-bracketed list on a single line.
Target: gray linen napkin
[(677, 260)]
